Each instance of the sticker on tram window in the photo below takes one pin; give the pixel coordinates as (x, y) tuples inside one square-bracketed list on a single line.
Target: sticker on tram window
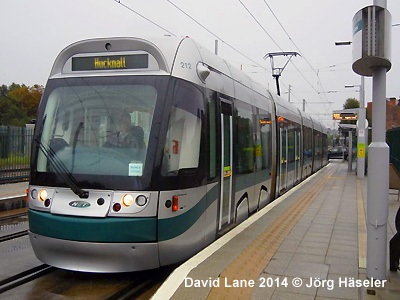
[(113, 62), (258, 150), (135, 169), (227, 171)]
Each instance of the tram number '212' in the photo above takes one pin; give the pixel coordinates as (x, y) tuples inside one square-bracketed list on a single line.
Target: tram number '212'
[(185, 65)]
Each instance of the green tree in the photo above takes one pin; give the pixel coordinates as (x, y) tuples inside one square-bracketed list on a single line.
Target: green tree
[(351, 103), (19, 103)]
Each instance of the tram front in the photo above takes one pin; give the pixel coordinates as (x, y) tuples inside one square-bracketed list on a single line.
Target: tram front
[(98, 143)]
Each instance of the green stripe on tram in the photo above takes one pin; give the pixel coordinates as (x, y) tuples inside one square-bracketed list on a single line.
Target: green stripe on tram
[(175, 226), (101, 230)]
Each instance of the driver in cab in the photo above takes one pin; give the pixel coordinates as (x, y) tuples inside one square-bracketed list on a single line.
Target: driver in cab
[(128, 136)]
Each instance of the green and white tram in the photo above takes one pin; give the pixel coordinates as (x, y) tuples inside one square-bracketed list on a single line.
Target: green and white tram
[(146, 151)]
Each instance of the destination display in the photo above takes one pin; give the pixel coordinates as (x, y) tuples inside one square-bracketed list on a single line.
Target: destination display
[(345, 116), (114, 62)]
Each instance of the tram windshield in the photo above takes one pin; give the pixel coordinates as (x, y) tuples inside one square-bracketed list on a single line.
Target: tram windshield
[(98, 126)]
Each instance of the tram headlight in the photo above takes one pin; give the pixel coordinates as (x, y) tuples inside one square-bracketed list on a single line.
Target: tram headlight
[(141, 200), (43, 195), (34, 194), (127, 200)]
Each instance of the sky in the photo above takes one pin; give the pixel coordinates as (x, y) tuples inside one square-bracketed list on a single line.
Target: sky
[(32, 33)]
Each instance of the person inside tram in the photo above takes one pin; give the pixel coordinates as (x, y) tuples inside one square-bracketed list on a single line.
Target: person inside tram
[(128, 136)]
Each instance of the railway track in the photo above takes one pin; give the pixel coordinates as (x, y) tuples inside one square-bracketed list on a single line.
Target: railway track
[(10, 225), (145, 287), (24, 277), (135, 285), (18, 215), (133, 290), (12, 236)]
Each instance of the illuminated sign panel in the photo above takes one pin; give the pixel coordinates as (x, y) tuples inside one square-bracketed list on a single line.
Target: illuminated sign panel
[(114, 62), (265, 121), (345, 116)]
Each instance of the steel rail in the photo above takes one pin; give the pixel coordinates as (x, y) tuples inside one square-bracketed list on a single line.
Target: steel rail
[(147, 281), (133, 290), (13, 216), (24, 277), (13, 236)]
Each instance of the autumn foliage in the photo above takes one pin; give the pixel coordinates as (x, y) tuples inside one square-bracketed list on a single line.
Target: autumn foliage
[(19, 103)]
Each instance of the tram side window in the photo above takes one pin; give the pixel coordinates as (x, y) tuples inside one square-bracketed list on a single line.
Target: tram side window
[(317, 143), (182, 146), (212, 135), (291, 144), (244, 141), (307, 145), (324, 146), (264, 144)]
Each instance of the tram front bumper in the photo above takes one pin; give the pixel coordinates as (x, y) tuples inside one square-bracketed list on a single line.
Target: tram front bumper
[(95, 257)]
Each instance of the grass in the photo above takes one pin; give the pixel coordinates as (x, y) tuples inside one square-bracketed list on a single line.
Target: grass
[(14, 161)]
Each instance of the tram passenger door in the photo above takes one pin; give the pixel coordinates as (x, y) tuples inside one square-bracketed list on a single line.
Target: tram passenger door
[(283, 159), (226, 197), (297, 156)]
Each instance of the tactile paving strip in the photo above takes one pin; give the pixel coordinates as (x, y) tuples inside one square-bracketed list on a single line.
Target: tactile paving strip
[(254, 259)]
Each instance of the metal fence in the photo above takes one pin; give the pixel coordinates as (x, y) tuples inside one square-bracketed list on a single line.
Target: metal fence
[(393, 140), (15, 153)]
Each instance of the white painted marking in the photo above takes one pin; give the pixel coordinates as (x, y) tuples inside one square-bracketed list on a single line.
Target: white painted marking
[(12, 197), (172, 283)]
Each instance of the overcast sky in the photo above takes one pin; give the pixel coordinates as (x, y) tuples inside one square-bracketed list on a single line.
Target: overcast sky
[(34, 32)]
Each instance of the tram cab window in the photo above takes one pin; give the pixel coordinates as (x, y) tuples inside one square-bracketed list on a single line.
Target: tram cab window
[(84, 128), (182, 145)]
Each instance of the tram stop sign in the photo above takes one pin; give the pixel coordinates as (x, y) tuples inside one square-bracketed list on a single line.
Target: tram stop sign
[(346, 114)]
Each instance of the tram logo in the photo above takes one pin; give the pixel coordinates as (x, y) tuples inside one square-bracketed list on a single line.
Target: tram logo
[(80, 204)]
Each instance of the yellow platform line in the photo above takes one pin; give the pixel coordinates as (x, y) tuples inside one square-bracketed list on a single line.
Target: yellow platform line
[(254, 259), (13, 212), (362, 229)]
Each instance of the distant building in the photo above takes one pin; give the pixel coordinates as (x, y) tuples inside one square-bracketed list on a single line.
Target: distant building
[(392, 113)]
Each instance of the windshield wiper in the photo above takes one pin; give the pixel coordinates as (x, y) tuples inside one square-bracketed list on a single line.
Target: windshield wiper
[(62, 170), (78, 130)]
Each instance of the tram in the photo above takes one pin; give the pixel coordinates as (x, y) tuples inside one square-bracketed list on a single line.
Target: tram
[(145, 152)]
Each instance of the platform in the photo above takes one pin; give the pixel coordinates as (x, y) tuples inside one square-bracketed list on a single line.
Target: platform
[(12, 197), (316, 232)]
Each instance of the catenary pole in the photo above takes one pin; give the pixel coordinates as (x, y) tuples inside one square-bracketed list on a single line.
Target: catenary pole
[(378, 177), (362, 132), (350, 151)]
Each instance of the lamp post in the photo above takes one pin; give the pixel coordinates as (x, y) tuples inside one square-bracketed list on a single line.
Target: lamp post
[(362, 134), (361, 130), (371, 57)]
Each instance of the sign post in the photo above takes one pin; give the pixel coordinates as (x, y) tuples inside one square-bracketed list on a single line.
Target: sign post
[(371, 56), (350, 128), (347, 114)]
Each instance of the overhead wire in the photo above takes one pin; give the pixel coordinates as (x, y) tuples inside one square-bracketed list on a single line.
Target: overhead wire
[(212, 33), (311, 85), (262, 27), (304, 77), (219, 38), (280, 48), (298, 49), (142, 16), (208, 30)]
